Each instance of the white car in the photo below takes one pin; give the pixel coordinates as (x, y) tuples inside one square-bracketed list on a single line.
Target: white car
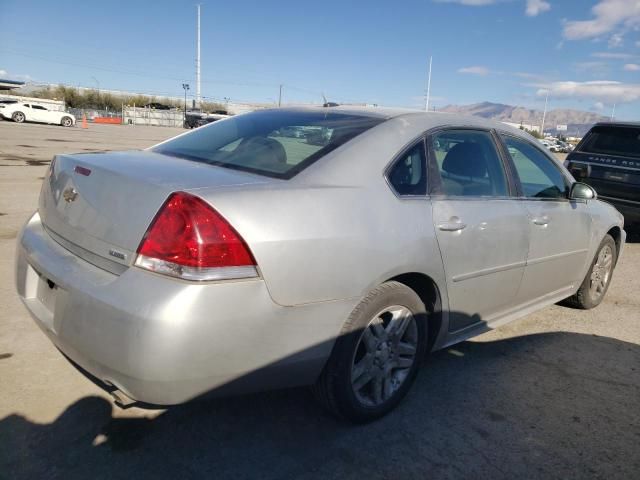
[(28, 112)]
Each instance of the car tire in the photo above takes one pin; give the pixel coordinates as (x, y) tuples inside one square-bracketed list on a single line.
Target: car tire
[(598, 278), (384, 339), (18, 117), (66, 121)]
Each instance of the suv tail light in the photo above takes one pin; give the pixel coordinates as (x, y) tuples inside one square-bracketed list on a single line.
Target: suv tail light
[(188, 239)]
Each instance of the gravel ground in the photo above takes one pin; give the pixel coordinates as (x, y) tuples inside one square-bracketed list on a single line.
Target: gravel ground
[(554, 395)]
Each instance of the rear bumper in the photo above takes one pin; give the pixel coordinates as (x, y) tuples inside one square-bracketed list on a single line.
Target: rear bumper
[(163, 341)]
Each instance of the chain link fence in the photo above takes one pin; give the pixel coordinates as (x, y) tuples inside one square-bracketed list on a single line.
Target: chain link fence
[(150, 116), (132, 115)]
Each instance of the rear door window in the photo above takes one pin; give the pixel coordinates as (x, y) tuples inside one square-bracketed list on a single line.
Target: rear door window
[(613, 140), (407, 175), (469, 164), (275, 143)]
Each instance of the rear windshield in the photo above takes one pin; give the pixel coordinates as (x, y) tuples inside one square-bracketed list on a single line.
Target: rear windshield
[(275, 143), (623, 141)]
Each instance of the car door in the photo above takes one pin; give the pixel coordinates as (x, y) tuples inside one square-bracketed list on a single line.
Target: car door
[(28, 112), (39, 113), (560, 229), (482, 229)]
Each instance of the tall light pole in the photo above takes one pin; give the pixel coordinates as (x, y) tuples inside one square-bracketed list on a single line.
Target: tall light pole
[(98, 85), (613, 112), (186, 87), (198, 60), (544, 114), (280, 96), (426, 106)]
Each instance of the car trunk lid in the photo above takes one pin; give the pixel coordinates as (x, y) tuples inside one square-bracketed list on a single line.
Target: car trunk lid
[(99, 205)]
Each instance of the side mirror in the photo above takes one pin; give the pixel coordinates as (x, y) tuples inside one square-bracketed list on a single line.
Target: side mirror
[(582, 191)]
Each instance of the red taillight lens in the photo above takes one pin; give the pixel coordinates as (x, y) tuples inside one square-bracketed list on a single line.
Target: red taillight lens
[(189, 239)]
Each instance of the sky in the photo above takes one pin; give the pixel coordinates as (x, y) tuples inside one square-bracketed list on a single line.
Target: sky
[(584, 54)]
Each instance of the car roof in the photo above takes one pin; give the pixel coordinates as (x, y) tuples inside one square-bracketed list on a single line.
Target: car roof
[(426, 120), (617, 124)]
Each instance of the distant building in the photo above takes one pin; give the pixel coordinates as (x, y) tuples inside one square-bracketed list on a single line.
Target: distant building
[(57, 105), (6, 85)]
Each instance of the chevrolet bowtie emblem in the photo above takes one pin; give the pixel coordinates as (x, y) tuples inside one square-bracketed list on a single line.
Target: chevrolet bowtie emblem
[(70, 194)]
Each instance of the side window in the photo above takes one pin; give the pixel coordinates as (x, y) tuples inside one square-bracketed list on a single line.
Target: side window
[(469, 164), (38, 107), (539, 176), (407, 175)]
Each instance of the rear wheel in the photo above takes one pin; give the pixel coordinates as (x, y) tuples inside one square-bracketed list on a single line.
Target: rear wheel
[(18, 117), (376, 357), (598, 278), (66, 122)]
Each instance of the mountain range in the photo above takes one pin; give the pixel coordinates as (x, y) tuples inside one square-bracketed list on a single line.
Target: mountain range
[(578, 122)]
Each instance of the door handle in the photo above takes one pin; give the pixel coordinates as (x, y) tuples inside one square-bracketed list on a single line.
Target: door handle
[(453, 225), (542, 221)]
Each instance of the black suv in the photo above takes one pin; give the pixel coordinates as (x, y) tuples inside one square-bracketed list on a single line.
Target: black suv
[(608, 159)]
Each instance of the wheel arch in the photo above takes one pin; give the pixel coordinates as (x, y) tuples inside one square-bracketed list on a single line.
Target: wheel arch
[(429, 292), (616, 233)]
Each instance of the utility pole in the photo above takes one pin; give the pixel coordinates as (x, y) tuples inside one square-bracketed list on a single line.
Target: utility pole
[(197, 60), (186, 87), (613, 111), (98, 85), (426, 107), (280, 96), (544, 114)]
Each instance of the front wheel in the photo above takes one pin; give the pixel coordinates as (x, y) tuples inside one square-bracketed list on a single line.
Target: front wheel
[(66, 122), (596, 283), (376, 357), (18, 117)]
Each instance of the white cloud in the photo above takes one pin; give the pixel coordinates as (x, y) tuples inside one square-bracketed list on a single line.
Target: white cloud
[(605, 91), (529, 76), (612, 55), (471, 3), (598, 106), (475, 70), (533, 7), (598, 68), (631, 67), (536, 7), (3, 72), (616, 40), (608, 15)]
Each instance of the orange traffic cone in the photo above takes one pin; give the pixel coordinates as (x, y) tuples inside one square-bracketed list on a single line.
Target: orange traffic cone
[(84, 121)]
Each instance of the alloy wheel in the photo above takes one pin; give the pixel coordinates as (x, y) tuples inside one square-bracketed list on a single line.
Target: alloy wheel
[(384, 355), (601, 273)]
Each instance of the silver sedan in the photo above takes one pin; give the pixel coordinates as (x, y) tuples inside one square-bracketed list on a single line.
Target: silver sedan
[(323, 246)]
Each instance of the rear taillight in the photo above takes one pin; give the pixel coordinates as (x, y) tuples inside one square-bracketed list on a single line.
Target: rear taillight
[(188, 239)]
